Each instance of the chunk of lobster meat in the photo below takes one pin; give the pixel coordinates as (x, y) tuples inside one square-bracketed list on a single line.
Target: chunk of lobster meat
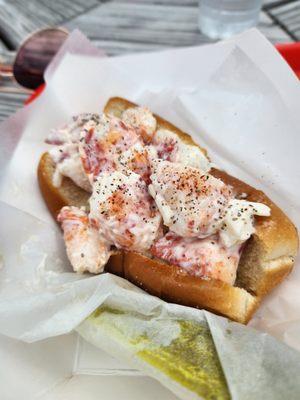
[(124, 211), (70, 133), (138, 159), (142, 120), (192, 204), (87, 250), (205, 258), (171, 147), (101, 145), (68, 163)]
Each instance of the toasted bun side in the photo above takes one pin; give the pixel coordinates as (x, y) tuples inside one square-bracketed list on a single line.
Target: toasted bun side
[(68, 194), (270, 253), (267, 258), (173, 284)]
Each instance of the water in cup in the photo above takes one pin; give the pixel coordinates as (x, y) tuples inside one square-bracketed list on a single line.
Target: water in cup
[(220, 19)]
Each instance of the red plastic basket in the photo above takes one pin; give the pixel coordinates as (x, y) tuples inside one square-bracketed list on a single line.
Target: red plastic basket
[(291, 53), (35, 94)]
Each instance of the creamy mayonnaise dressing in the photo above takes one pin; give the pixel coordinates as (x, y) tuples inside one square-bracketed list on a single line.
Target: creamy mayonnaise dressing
[(70, 133), (138, 159), (192, 204), (124, 212), (171, 148), (68, 163), (101, 146), (238, 223), (199, 257), (142, 119), (86, 248), (65, 153)]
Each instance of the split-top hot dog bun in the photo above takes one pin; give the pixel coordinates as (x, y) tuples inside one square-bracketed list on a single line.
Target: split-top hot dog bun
[(267, 258)]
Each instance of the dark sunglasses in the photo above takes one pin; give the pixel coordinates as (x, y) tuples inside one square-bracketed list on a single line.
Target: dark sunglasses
[(33, 57)]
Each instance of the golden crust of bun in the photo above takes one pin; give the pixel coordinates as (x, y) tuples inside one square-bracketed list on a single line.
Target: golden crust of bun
[(266, 259)]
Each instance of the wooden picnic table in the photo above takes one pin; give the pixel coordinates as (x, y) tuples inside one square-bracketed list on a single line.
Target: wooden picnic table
[(124, 26)]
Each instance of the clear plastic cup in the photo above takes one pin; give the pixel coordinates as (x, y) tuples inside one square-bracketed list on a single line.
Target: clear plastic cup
[(220, 19)]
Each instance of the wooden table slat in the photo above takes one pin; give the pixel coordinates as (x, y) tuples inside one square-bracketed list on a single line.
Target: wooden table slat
[(34, 14), (115, 48), (191, 3), (162, 25), (286, 9), (10, 102), (118, 26), (67, 9)]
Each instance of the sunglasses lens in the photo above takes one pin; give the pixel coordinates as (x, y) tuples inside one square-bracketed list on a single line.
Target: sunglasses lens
[(34, 56)]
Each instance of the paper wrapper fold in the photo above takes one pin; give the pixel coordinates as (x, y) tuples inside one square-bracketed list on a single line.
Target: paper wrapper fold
[(241, 101), (194, 353)]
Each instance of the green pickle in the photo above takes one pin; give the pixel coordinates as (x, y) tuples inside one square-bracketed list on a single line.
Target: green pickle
[(190, 359)]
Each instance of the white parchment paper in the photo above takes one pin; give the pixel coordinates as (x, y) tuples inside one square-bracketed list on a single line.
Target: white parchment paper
[(237, 98)]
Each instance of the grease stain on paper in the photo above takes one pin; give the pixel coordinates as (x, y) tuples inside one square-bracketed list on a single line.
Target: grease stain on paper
[(182, 350)]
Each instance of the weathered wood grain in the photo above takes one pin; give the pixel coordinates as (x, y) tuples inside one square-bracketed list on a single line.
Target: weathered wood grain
[(192, 3), (129, 22), (10, 102), (18, 18), (288, 16), (124, 27), (160, 25), (116, 26)]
